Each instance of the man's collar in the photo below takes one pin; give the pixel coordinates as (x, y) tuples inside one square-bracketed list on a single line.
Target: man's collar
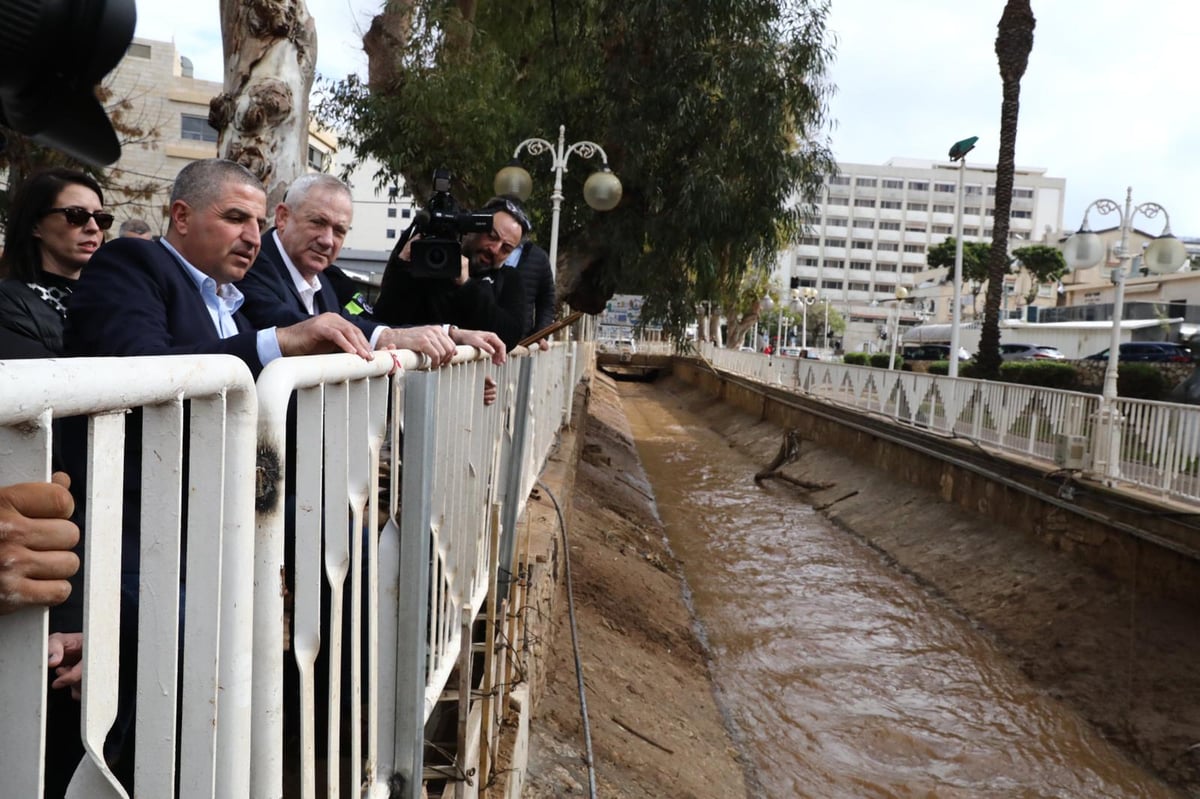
[(297, 278)]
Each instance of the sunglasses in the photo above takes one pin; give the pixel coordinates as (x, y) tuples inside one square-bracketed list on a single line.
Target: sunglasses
[(78, 217)]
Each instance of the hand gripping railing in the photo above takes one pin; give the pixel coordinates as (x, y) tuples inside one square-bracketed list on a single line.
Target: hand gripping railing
[(215, 698)]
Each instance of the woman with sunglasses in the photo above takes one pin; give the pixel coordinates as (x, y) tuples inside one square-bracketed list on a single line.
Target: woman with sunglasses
[(54, 226)]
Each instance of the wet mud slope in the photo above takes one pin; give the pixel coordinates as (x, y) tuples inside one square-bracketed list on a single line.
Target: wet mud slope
[(656, 730)]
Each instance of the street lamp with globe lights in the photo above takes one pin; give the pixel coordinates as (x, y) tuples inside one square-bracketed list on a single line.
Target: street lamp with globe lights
[(1084, 249), (601, 191)]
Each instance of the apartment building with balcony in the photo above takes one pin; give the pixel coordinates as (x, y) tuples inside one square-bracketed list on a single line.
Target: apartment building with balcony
[(875, 223)]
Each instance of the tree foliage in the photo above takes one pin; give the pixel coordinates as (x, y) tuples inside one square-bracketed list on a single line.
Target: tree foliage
[(1044, 264), (711, 113), (975, 258)]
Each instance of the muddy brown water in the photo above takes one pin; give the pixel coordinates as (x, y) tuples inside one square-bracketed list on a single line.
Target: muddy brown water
[(839, 675)]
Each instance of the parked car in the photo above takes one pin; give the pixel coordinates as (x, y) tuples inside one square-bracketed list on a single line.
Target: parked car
[(789, 352), (1030, 352), (932, 352), (1154, 351)]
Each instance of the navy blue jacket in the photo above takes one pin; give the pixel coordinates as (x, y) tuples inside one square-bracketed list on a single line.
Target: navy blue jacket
[(134, 298), (272, 299), (534, 266)]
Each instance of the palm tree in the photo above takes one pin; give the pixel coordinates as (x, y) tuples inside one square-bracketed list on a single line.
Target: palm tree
[(1013, 44)]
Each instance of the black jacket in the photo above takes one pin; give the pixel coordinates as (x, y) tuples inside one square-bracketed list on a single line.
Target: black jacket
[(534, 266), (495, 302), (31, 327), (272, 299)]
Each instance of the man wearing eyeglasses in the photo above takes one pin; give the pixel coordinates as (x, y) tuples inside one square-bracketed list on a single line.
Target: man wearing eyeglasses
[(288, 283), (482, 296)]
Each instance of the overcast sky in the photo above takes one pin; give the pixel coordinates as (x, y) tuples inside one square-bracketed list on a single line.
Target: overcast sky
[(1103, 102)]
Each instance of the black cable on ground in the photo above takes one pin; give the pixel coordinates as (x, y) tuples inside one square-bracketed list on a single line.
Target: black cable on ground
[(587, 727)]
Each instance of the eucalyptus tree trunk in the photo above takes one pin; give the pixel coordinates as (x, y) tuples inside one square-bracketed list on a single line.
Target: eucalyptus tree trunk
[(389, 34), (1014, 41), (384, 40), (262, 115), (736, 327)]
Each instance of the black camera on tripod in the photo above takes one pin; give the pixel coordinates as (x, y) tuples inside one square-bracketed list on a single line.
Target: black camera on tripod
[(441, 225)]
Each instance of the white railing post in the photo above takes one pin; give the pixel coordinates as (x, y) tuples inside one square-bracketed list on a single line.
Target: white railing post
[(23, 675), (420, 416), (511, 497)]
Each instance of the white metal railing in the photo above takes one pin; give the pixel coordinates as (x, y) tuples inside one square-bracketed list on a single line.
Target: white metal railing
[(213, 705), (394, 594), (1160, 441), (316, 480)]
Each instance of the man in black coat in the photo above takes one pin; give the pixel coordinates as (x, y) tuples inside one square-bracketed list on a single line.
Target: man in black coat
[(534, 265), (481, 296), (289, 284)]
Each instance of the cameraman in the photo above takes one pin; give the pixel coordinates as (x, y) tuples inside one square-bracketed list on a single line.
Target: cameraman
[(481, 296)]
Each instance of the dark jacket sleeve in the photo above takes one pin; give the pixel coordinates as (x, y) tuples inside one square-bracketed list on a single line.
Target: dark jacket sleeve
[(539, 286), (134, 298), (268, 301), (497, 305)]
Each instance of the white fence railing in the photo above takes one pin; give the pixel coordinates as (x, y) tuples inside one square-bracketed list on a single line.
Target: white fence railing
[(213, 709), (1160, 445), (366, 604)]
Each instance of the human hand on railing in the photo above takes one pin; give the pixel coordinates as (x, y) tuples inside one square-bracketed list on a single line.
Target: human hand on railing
[(543, 344), (66, 658), (327, 332), (429, 340), (484, 340), (36, 537)]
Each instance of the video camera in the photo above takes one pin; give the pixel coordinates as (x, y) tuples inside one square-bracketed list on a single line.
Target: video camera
[(51, 57), (441, 224)]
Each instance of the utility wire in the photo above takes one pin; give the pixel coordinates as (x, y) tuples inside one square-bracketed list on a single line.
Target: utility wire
[(583, 712)]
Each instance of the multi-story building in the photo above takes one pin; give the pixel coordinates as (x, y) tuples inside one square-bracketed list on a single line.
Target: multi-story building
[(168, 107), (381, 212), (875, 224), (163, 119)]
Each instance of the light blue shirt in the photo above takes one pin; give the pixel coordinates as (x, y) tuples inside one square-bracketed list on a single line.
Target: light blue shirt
[(222, 302), (514, 257)]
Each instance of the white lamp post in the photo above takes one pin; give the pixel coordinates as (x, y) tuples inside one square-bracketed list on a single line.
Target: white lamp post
[(601, 191), (808, 297), (901, 295), (825, 349), (958, 153), (1083, 249)]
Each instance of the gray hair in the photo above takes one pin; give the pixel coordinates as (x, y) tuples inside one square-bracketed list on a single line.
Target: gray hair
[(133, 226), (302, 185), (200, 183)]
